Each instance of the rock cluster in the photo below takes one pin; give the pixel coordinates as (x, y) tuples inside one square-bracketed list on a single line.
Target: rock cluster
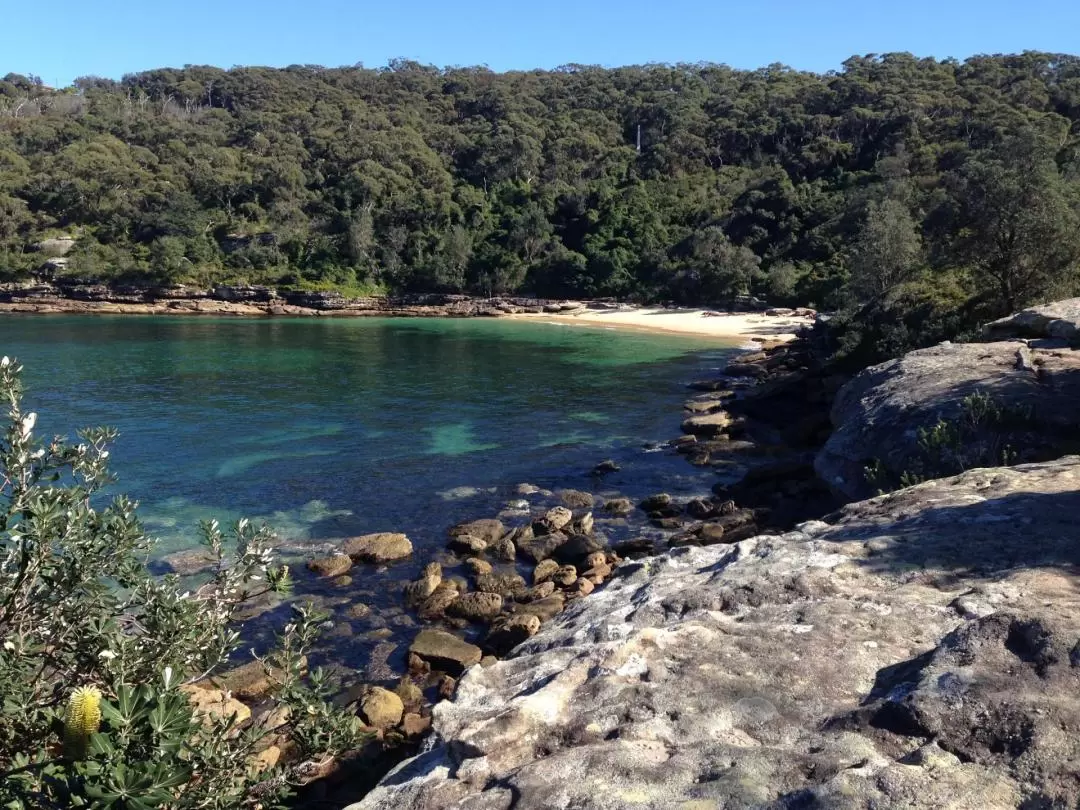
[(919, 650)]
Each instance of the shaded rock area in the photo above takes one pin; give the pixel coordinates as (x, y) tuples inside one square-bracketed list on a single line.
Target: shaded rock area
[(918, 650), (1027, 411)]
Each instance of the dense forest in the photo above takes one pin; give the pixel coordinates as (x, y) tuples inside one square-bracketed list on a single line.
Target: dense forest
[(931, 192)]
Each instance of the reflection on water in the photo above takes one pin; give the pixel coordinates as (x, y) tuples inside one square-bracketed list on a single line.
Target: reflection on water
[(327, 428)]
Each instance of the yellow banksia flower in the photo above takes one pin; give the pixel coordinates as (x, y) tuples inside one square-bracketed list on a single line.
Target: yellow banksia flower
[(81, 719)]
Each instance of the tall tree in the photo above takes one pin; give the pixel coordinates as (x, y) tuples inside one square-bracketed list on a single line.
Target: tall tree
[(1019, 221), (887, 250)]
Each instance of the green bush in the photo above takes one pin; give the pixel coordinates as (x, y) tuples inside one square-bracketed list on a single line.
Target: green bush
[(97, 655)]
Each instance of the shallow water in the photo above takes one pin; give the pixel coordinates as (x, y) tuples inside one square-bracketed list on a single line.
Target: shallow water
[(335, 427)]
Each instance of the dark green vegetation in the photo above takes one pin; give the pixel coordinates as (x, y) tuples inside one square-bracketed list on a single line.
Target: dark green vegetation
[(100, 660), (935, 192)]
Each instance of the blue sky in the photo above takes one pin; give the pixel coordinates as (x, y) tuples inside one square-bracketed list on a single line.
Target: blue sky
[(61, 39)]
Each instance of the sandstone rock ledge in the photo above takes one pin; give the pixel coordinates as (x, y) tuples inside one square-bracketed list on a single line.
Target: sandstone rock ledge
[(897, 656)]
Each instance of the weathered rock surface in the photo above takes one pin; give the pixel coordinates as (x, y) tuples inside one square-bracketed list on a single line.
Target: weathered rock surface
[(1057, 321), (378, 548), (878, 414), (381, 708), (490, 530), (333, 566), (897, 657), (708, 425), (445, 651), (479, 606)]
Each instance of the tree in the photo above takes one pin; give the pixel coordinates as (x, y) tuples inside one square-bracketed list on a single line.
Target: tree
[(1019, 224), (887, 250)]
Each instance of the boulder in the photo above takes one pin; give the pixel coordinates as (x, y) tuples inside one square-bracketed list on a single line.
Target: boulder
[(542, 547), (545, 570), (708, 425), (584, 524), (580, 546), (745, 370), (478, 567), (333, 566), (415, 725), (511, 631), (377, 548), (539, 591), (381, 708), (191, 561), (619, 506), (1057, 321), (489, 530), (575, 499), (545, 608), (505, 550), (445, 652), (444, 595), (605, 467), (703, 407), (656, 502), (467, 544), (831, 666), (418, 591), (553, 520), (60, 246), (1004, 398), (478, 606), (506, 585)]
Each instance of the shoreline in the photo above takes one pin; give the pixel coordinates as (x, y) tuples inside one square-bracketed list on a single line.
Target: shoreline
[(779, 327), (684, 321)]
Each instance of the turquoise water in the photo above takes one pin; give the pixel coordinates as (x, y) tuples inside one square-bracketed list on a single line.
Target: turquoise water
[(332, 427)]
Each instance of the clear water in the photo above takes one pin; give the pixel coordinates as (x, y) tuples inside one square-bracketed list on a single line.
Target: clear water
[(328, 428)]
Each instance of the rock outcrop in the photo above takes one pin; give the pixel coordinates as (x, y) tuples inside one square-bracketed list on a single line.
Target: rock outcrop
[(919, 650), (1031, 391)]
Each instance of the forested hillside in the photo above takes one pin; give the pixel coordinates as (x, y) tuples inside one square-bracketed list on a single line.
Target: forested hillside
[(953, 187)]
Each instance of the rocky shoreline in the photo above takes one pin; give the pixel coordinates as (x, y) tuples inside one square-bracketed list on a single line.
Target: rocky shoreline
[(72, 296), (502, 579), (918, 649)]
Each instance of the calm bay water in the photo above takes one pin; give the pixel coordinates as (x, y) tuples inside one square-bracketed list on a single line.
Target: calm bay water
[(335, 427)]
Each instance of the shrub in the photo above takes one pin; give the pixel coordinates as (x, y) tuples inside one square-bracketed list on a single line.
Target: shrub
[(96, 654)]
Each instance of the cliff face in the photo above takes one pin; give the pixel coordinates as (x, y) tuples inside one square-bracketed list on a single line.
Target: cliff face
[(1012, 399), (918, 650)]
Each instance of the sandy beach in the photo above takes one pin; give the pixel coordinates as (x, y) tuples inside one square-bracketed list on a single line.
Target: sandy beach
[(745, 326)]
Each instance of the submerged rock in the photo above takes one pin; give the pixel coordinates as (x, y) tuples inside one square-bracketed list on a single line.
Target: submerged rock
[(333, 566), (575, 499), (831, 666), (378, 548), (619, 506)]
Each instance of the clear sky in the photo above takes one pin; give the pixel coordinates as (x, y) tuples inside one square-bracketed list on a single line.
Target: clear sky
[(59, 40)]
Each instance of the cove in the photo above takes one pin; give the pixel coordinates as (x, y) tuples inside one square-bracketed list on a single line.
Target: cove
[(338, 427)]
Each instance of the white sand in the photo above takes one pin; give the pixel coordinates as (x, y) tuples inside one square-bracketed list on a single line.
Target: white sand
[(685, 321)]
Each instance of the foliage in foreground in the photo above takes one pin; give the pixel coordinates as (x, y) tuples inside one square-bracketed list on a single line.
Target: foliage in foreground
[(975, 437), (95, 652)]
